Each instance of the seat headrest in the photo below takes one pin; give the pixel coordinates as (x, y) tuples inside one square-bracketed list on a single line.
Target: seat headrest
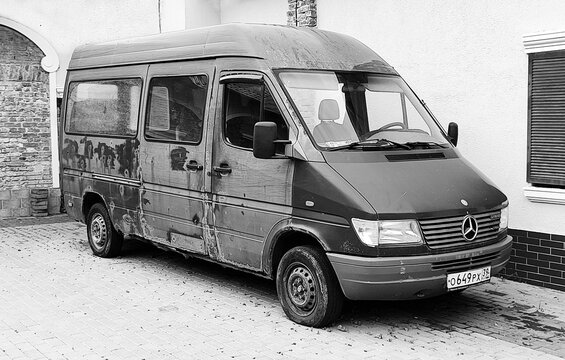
[(328, 110)]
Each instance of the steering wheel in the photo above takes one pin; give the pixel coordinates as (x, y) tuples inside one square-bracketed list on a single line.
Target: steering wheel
[(384, 127), (392, 124)]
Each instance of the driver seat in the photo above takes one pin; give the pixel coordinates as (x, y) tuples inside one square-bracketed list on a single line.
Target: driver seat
[(328, 129)]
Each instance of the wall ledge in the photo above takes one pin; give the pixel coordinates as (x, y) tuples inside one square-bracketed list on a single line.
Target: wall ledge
[(545, 195), (547, 41)]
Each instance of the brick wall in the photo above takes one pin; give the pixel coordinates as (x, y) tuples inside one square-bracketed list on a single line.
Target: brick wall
[(302, 13), (537, 258), (25, 154)]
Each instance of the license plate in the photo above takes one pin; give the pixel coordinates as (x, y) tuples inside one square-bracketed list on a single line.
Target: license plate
[(466, 278)]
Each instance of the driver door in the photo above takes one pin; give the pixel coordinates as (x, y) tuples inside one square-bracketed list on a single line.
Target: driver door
[(250, 195)]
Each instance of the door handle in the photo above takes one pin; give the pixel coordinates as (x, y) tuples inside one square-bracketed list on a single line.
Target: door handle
[(193, 166), (223, 169)]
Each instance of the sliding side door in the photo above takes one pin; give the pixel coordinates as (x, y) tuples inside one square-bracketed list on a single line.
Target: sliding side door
[(173, 152)]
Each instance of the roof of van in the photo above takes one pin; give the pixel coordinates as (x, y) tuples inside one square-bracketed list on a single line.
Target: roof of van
[(282, 46)]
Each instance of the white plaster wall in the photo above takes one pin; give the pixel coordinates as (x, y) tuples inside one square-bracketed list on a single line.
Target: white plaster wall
[(201, 13), (67, 24), (173, 15), (254, 11), (466, 60)]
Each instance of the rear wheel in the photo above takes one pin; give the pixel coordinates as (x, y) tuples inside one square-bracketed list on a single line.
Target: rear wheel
[(103, 239), (307, 287)]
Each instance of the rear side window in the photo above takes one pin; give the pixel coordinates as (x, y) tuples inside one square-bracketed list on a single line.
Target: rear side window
[(176, 108), (107, 107)]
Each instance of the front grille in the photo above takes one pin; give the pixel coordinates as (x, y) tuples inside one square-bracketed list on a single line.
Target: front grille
[(474, 262), (445, 233)]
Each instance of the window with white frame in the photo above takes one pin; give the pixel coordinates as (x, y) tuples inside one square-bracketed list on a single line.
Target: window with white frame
[(546, 117)]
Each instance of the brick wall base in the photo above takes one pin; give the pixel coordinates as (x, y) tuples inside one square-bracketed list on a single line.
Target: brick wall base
[(19, 203), (537, 258)]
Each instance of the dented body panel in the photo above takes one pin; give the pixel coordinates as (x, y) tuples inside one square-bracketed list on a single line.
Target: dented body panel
[(175, 188), (255, 195), (106, 166)]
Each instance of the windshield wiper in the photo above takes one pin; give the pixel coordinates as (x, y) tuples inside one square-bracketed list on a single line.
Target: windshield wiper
[(425, 145), (346, 146), (373, 143)]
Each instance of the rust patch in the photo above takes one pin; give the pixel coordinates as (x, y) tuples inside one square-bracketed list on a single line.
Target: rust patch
[(187, 242), (109, 158), (70, 155), (348, 247), (127, 224), (128, 158), (106, 157), (178, 158), (209, 234)]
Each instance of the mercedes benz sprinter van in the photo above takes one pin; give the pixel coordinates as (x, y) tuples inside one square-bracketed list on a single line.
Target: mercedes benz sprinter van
[(293, 153)]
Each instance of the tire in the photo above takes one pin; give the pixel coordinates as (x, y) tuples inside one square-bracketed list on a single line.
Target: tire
[(307, 287), (103, 239)]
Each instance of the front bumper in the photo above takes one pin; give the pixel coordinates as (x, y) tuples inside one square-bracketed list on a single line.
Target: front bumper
[(412, 277)]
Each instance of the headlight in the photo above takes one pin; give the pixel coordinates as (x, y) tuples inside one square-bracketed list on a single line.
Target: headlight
[(503, 218), (375, 233)]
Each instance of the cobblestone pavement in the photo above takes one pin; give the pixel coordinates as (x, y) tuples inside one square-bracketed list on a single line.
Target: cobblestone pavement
[(58, 301)]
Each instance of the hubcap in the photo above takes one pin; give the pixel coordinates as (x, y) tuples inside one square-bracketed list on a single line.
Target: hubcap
[(98, 232), (301, 288)]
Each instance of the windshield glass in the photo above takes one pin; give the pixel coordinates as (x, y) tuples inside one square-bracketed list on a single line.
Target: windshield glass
[(361, 109)]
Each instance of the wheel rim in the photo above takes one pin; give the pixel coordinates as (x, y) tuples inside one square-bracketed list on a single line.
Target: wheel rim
[(301, 288), (98, 232)]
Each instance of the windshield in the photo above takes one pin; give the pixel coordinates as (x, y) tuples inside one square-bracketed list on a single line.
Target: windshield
[(343, 110)]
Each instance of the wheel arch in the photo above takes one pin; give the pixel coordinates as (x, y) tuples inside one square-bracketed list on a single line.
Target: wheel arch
[(285, 236), (88, 200)]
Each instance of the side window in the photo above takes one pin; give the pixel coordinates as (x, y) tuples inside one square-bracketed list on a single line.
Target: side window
[(245, 104), (108, 107), (176, 108)]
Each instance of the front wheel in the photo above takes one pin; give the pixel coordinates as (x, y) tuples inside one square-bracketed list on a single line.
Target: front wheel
[(307, 287), (103, 239)]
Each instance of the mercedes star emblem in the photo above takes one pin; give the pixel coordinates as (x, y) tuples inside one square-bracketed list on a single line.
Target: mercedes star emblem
[(469, 228)]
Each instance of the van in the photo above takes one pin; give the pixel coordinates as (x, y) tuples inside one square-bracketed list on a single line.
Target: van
[(295, 154)]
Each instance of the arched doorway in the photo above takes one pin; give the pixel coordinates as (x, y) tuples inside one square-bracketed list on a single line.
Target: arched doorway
[(28, 122)]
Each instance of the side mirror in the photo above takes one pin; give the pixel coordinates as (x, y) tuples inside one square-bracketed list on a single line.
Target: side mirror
[(264, 136), (453, 133)]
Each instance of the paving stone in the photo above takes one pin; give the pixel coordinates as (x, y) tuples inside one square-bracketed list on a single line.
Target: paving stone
[(58, 301)]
